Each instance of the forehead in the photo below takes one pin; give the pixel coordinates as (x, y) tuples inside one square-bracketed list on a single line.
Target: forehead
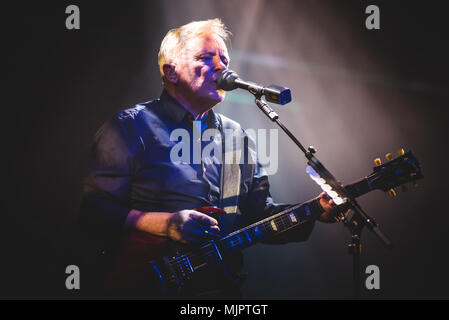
[(206, 43)]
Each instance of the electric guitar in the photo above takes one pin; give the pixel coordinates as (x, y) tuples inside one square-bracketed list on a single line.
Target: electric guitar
[(165, 268)]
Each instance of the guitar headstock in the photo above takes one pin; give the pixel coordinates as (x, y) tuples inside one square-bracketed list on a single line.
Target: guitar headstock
[(396, 172)]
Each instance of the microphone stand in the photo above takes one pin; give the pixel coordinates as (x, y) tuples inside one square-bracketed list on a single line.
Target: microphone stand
[(359, 218)]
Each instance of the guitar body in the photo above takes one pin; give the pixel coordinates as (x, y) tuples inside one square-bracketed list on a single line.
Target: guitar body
[(152, 266), (128, 271)]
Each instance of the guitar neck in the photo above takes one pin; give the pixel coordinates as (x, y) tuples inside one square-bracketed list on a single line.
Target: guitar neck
[(286, 219)]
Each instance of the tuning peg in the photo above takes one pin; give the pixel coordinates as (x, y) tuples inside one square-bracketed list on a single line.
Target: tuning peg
[(401, 152), (377, 162), (392, 193), (389, 156)]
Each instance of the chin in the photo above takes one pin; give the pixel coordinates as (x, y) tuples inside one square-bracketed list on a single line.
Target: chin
[(217, 96), (220, 95)]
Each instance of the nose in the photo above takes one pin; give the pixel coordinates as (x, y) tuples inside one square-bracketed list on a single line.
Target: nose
[(218, 64)]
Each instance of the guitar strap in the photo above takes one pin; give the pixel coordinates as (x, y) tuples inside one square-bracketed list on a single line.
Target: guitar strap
[(230, 175)]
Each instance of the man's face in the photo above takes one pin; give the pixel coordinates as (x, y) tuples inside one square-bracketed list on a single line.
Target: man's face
[(200, 63)]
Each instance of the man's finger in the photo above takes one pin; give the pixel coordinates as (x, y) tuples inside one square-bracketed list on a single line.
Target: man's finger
[(212, 231), (195, 231), (208, 230), (203, 218), (325, 196)]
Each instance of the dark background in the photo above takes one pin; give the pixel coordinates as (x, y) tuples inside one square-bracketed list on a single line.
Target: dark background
[(62, 85)]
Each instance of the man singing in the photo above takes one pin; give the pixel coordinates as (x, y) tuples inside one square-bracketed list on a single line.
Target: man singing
[(133, 183)]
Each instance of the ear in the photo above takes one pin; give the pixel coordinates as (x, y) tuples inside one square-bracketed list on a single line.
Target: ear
[(170, 73)]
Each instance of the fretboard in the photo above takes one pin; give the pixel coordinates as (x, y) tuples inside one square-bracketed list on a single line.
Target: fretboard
[(285, 220)]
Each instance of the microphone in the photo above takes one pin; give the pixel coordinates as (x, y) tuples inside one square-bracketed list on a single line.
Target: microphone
[(229, 80)]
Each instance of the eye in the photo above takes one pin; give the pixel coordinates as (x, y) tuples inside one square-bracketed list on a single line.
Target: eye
[(204, 57), (225, 60)]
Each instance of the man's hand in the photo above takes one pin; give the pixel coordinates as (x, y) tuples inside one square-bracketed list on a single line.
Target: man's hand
[(190, 225), (330, 213), (184, 225)]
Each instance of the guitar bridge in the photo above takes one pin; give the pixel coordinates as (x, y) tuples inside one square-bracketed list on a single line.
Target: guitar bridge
[(180, 267)]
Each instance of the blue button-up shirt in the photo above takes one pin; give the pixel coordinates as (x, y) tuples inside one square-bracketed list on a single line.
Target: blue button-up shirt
[(130, 168)]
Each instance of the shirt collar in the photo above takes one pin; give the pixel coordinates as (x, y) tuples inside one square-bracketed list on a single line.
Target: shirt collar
[(179, 114)]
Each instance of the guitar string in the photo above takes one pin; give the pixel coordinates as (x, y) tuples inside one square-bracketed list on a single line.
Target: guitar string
[(281, 220), (281, 217), (234, 241), (238, 239), (184, 261)]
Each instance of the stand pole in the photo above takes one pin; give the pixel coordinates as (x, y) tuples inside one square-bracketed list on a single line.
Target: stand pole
[(355, 249), (359, 218), (356, 265)]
